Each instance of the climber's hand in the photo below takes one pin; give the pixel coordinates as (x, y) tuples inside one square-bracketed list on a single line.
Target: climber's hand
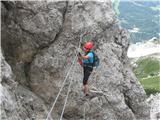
[(79, 54)]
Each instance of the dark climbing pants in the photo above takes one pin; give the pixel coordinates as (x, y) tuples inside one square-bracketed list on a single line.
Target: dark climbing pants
[(87, 72)]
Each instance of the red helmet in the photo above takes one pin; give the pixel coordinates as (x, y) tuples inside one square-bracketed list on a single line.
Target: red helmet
[(88, 45)]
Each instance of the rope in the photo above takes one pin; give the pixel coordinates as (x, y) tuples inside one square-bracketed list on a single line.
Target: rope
[(70, 84), (60, 90), (84, 111), (66, 98), (48, 115)]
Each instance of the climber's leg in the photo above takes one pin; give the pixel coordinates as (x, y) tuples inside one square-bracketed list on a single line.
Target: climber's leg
[(86, 89), (87, 72)]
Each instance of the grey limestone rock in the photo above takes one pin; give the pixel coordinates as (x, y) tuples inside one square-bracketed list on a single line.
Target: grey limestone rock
[(40, 39)]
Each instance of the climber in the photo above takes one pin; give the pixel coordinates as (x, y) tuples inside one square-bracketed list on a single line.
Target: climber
[(87, 62)]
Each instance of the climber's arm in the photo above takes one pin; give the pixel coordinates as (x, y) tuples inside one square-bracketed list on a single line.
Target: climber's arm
[(83, 56)]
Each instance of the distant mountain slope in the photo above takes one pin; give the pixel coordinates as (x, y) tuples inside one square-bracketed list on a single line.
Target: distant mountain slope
[(145, 62), (140, 17), (147, 71), (140, 49)]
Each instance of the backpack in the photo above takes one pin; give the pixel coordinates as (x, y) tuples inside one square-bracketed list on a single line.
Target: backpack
[(96, 60)]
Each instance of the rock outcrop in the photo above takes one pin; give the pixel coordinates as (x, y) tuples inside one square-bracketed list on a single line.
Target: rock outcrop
[(154, 101), (39, 40), (17, 102)]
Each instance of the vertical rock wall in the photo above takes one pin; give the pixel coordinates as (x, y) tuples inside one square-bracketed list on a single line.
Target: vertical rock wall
[(40, 39)]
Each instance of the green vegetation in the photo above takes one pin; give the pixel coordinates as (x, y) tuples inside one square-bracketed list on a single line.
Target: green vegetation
[(147, 71), (147, 67), (151, 85)]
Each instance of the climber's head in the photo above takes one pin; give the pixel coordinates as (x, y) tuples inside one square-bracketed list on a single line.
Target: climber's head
[(88, 46)]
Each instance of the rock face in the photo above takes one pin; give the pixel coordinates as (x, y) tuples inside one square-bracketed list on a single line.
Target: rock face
[(154, 101), (17, 102), (39, 40)]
